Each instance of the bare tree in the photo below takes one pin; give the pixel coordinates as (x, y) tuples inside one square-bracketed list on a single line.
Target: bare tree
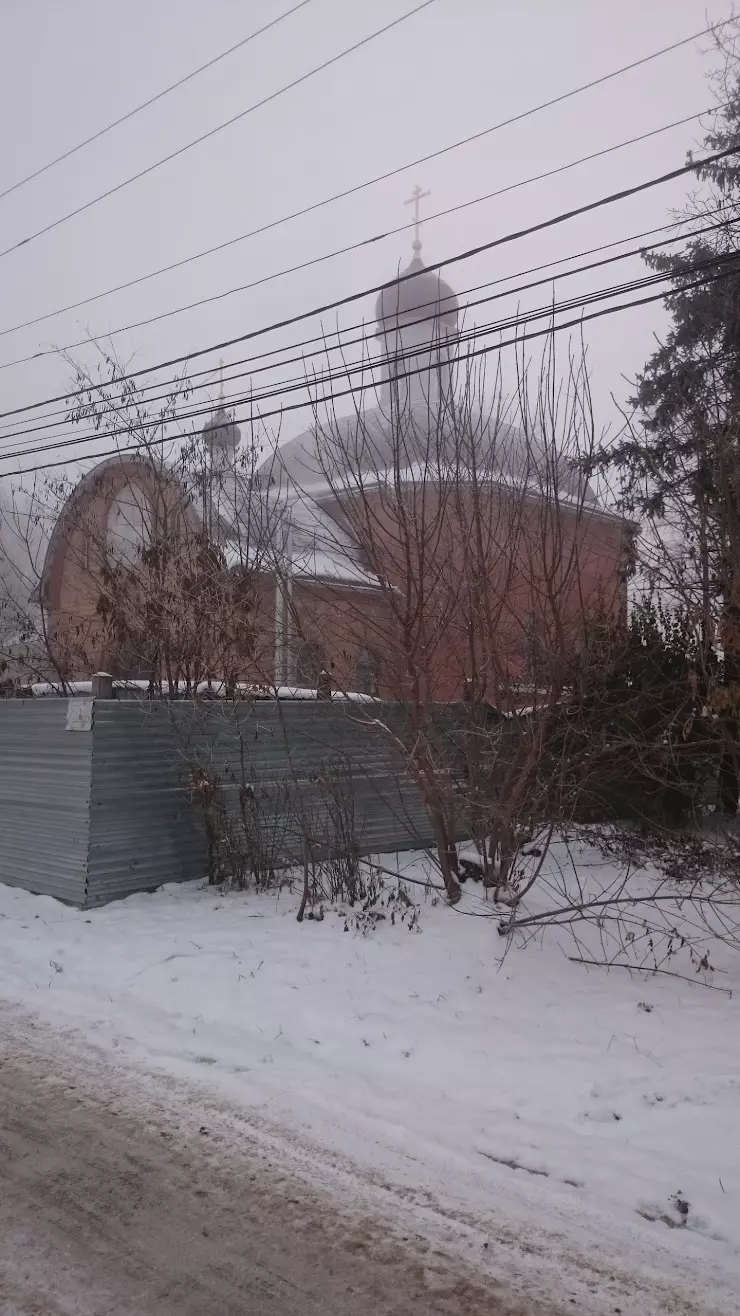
[(492, 556), (164, 547)]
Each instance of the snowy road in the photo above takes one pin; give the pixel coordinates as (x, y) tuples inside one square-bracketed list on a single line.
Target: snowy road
[(528, 1121), (116, 1201)]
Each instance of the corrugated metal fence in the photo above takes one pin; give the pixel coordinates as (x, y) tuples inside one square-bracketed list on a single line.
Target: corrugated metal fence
[(45, 775), (102, 798)]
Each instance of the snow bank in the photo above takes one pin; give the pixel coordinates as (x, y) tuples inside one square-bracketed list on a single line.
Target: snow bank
[(535, 1090)]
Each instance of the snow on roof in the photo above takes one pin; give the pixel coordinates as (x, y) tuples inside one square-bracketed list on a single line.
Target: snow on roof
[(300, 538), (369, 441), (418, 475)]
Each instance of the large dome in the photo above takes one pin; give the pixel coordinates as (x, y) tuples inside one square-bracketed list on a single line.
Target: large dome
[(409, 300)]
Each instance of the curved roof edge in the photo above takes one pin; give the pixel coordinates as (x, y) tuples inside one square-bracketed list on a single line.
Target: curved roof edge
[(125, 466)]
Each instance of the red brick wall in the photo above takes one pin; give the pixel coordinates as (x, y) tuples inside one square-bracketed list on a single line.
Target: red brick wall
[(548, 569), (342, 622)]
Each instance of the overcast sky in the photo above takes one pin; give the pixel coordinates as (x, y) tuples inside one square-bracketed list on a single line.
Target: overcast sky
[(454, 69)]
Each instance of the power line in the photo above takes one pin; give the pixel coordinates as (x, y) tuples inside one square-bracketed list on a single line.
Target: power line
[(347, 370), (333, 397), (317, 260), (152, 100), (204, 137), (520, 274), (364, 339), (513, 236)]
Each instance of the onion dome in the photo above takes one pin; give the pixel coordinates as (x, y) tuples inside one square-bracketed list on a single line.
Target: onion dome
[(411, 300)]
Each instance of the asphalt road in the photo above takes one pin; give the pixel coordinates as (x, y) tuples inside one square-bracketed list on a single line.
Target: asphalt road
[(115, 1201)]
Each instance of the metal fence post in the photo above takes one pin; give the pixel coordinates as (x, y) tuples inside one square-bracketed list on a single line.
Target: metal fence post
[(102, 685)]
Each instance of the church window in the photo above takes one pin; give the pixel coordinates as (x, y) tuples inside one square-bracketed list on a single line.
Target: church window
[(367, 672), (130, 661), (128, 525), (309, 666), (533, 649)]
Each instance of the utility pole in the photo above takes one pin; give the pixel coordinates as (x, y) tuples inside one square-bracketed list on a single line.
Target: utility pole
[(283, 666)]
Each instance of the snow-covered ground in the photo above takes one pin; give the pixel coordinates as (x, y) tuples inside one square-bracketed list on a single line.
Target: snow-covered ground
[(533, 1095)]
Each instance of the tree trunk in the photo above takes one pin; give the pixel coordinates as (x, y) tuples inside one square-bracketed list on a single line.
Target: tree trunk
[(729, 768), (445, 849), (729, 780)]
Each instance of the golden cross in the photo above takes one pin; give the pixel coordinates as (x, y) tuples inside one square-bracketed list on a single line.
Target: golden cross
[(416, 196)]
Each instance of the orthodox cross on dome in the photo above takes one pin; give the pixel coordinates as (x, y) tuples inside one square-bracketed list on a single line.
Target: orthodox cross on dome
[(416, 196), (221, 380)]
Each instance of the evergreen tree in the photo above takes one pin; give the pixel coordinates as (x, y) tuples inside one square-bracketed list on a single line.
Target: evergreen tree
[(678, 465)]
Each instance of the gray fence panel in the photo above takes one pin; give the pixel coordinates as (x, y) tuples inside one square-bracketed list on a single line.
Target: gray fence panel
[(144, 830), (44, 799), (298, 758), (92, 816)]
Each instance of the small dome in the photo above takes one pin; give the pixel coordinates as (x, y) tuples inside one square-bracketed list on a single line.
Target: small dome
[(407, 300), (221, 432)]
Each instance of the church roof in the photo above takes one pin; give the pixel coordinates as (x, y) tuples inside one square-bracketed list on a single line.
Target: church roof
[(369, 441), (286, 529), (418, 294)]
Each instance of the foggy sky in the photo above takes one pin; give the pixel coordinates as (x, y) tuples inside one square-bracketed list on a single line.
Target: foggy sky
[(456, 68)]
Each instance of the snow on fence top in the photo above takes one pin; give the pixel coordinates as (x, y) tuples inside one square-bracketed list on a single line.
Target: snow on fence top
[(209, 689)]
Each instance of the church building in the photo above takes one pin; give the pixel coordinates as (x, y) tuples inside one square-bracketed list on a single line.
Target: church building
[(378, 544)]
